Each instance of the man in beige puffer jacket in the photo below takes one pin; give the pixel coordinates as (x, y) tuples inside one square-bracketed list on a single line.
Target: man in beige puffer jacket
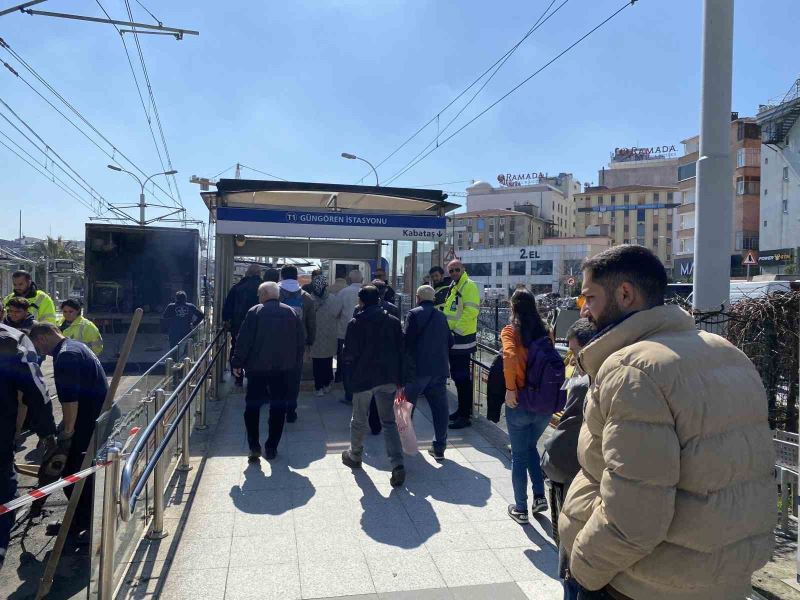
[(675, 499)]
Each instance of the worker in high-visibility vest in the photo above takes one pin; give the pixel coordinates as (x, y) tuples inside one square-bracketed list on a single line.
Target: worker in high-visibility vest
[(41, 305), (461, 307), (75, 326)]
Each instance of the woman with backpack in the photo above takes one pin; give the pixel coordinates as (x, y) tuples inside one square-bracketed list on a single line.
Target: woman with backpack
[(534, 375)]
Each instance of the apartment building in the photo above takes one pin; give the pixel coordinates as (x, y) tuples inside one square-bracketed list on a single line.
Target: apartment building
[(495, 228)]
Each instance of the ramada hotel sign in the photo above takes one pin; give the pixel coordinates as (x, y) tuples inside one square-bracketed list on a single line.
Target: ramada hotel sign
[(519, 179), (652, 153)]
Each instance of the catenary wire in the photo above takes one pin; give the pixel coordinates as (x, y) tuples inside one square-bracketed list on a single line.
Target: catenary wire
[(539, 22), (115, 150), (153, 102), (514, 89), (454, 100), (262, 172), (141, 98)]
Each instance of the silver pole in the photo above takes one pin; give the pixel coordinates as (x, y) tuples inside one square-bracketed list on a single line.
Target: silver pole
[(200, 425), (394, 264), (157, 529), (714, 202), (169, 368), (109, 532), (186, 423)]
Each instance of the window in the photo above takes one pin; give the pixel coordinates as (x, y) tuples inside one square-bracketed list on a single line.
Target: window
[(511, 223), (766, 160), (498, 268), (687, 221), (765, 223), (640, 199), (478, 269), (656, 197), (746, 240), (686, 245), (687, 171), (748, 186), (655, 242), (512, 239), (640, 230), (670, 196), (669, 226), (502, 220), (599, 200), (516, 267), (786, 173), (481, 224), (626, 229), (655, 227), (785, 206), (640, 214), (626, 198), (748, 131), (626, 241), (748, 157), (541, 267), (613, 199)]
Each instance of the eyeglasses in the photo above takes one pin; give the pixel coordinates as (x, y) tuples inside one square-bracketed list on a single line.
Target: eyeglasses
[(454, 270)]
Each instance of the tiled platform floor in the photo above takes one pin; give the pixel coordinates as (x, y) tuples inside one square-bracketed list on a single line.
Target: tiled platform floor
[(306, 526)]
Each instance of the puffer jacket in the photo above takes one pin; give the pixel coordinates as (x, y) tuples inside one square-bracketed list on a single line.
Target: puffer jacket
[(675, 498)]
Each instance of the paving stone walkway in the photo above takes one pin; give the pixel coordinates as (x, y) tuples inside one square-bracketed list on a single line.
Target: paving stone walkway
[(306, 526)]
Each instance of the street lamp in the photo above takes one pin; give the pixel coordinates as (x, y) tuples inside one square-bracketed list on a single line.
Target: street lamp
[(349, 156), (141, 183)]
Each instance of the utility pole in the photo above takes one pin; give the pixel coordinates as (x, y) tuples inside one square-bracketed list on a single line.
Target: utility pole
[(714, 202), (20, 226)]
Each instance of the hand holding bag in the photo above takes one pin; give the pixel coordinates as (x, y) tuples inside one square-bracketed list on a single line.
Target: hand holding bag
[(405, 426)]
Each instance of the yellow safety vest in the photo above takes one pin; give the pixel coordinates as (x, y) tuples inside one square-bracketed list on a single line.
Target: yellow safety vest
[(83, 330), (41, 306), (461, 308)]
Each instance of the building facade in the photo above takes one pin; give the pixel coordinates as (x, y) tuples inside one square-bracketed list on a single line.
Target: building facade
[(549, 198), (495, 228), (553, 266), (780, 184), (640, 166), (745, 193), (640, 215)]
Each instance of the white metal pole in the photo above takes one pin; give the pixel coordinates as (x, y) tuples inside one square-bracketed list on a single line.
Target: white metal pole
[(141, 208), (714, 202), (109, 531)]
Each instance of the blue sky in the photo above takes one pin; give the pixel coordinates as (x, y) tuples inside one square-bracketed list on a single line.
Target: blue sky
[(285, 87)]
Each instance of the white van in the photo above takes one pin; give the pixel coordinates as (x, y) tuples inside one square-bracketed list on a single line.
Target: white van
[(756, 289)]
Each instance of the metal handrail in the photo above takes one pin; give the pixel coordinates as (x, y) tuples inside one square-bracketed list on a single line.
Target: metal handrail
[(128, 497)]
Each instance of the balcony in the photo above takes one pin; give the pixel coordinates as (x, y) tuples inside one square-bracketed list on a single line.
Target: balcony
[(748, 188)]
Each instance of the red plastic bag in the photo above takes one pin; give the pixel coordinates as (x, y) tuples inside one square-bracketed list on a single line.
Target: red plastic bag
[(405, 426)]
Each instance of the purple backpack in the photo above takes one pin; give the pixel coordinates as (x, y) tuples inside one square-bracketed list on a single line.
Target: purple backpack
[(544, 378)]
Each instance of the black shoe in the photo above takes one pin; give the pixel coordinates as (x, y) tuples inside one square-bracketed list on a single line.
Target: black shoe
[(270, 453), (349, 461), (254, 455), (455, 416), (437, 455), (398, 476), (291, 417), (518, 515), (461, 423)]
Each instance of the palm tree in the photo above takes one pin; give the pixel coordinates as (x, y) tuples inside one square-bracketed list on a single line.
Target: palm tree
[(57, 248)]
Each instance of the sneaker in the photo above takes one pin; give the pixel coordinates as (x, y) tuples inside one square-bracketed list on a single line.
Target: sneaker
[(291, 417), (539, 505), (254, 455), (519, 516), (349, 461), (438, 455), (319, 393), (270, 453), (460, 423), (398, 477)]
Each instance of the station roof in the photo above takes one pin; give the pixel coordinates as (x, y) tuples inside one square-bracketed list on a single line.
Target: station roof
[(255, 193)]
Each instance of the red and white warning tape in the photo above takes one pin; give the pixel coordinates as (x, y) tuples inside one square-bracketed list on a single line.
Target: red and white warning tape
[(67, 481)]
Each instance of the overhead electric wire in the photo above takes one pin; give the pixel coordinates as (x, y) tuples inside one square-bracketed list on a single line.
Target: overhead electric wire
[(262, 172), (465, 90), (153, 103), (512, 90), (80, 181), (41, 168), (443, 183), (155, 18), (223, 171), (539, 22), (115, 150), (141, 100)]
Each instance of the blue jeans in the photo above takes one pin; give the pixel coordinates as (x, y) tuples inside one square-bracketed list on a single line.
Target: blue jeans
[(524, 429), (435, 390)]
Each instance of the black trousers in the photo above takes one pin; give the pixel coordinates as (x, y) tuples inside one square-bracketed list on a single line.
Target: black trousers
[(461, 374), (272, 388), (77, 450), (323, 372)]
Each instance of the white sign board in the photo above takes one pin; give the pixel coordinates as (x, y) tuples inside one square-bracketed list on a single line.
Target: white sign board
[(334, 225)]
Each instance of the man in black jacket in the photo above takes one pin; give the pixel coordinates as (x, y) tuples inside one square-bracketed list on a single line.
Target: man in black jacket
[(270, 339), (373, 353), (179, 318), (241, 297), (19, 374), (560, 457), (428, 340), (440, 284)]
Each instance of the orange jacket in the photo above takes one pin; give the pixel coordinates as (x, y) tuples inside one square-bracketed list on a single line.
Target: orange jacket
[(515, 358)]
